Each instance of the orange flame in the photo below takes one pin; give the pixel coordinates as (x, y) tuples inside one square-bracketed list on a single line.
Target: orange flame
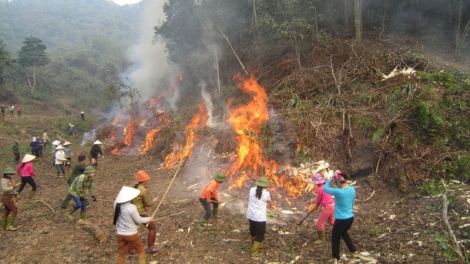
[(192, 138), (246, 121), (164, 120)]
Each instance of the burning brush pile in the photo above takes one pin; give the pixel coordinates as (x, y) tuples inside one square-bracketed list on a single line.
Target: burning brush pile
[(138, 133)]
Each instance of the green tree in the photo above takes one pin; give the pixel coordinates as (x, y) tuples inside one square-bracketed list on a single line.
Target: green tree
[(33, 54), (4, 60)]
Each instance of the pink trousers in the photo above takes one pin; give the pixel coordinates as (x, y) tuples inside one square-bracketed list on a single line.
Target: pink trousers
[(328, 212)]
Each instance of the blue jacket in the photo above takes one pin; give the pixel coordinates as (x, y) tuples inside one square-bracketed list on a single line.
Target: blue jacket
[(344, 200)]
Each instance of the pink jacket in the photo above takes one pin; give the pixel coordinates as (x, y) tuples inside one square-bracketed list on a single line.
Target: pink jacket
[(323, 198), (26, 170)]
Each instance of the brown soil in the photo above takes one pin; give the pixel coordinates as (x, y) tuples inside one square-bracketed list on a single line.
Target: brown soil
[(392, 227)]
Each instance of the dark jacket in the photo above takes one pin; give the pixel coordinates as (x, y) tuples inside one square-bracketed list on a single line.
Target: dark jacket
[(95, 150), (77, 171)]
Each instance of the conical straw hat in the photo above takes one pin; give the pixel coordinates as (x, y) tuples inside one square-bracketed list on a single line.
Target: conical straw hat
[(67, 143), (97, 143), (126, 194), (28, 158), (56, 143), (59, 147)]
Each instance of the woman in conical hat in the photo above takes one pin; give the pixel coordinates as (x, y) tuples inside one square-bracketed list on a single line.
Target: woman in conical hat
[(127, 220), (8, 192), (26, 171), (95, 152), (256, 213)]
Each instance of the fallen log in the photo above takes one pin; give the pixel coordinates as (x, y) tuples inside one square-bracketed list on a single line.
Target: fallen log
[(94, 229)]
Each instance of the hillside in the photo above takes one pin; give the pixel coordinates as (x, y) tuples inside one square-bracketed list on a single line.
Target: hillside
[(65, 25), (261, 89)]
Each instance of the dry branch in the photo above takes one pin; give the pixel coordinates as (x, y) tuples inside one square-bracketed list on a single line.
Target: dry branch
[(455, 243), (47, 205), (234, 53), (94, 229)]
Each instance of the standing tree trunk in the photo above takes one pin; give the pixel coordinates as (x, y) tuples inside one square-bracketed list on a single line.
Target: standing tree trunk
[(358, 19)]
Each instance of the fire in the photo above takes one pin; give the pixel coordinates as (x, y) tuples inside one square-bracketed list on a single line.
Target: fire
[(163, 121), (192, 138), (246, 121)]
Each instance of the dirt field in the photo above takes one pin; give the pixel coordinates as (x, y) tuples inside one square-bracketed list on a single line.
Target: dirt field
[(389, 227)]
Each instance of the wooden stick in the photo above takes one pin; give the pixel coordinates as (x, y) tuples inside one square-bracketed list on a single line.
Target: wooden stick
[(169, 186), (154, 220), (47, 205), (370, 196), (233, 50)]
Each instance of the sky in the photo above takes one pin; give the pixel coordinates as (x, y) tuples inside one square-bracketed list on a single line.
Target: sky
[(126, 2)]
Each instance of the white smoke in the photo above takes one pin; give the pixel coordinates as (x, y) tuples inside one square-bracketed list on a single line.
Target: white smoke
[(148, 58)]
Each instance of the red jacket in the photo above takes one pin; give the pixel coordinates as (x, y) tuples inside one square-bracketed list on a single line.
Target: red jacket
[(26, 170)]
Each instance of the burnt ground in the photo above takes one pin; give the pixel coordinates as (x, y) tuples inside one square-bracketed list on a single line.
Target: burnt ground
[(391, 227)]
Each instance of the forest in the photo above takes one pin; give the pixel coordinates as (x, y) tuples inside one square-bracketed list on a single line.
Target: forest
[(378, 89)]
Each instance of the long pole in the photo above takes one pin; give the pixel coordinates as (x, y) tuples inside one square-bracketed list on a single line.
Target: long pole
[(169, 186)]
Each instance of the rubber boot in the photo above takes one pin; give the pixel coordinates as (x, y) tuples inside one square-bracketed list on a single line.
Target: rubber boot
[(70, 213), (3, 224), (200, 223), (131, 250), (333, 261), (83, 216), (151, 241), (10, 221), (252, 239), (32, 194), (255, 249), (142, 261), (321, 237), (215, 213)]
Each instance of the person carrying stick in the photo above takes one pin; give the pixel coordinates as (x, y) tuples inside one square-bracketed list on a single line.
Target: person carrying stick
[(127, 220), (209, 195), (142, 202), (8, 193), (326, 201)]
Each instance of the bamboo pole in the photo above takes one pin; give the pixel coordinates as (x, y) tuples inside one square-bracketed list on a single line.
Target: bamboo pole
[(169, 186)]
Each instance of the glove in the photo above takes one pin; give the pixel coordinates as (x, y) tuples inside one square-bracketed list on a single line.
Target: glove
[(82, 198), (93, 198)]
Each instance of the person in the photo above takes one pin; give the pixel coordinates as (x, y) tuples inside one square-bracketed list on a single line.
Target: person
[(46, 140), (345, 196), (327, 202), (95, 150), (60, 160), (70, 129), (8, 192), (209, 195), (3, 109), (26, 171), (77, 191), (127, 220), (15, 148), (256, 213), (11, 108), (39, 147), (78, 170), (142, 202), (18, 109), (34, 147), (68, 155), (82, 115)]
